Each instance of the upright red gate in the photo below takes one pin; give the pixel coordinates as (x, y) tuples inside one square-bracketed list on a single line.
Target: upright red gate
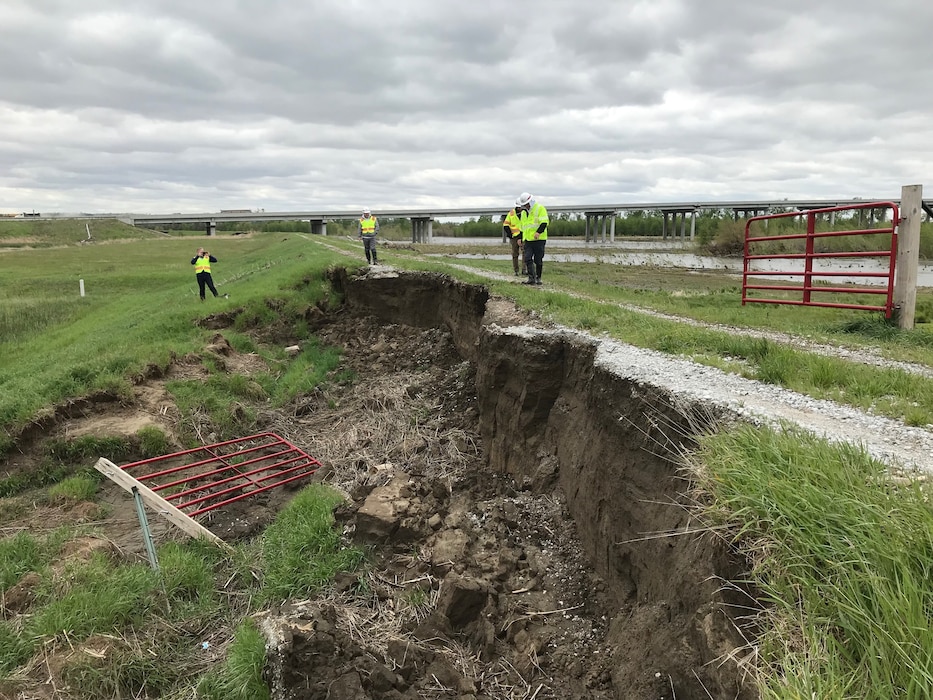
[(807, 278)]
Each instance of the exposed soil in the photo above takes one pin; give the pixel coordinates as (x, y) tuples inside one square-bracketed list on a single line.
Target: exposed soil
[(527, 515)]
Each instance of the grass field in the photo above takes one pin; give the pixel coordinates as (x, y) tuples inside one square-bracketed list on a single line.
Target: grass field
[(842, 555), (140, 306)]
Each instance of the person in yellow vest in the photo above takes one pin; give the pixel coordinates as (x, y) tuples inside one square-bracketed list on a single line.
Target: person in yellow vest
[(511, 228), (533, 221), (202, 269), (369, 227)]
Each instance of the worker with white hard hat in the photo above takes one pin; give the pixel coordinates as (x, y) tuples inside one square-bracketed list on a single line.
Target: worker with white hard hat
[(533, 222), (369, 227)]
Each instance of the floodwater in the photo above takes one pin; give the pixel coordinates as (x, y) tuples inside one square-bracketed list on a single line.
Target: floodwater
[(619, 244), (666, 254)]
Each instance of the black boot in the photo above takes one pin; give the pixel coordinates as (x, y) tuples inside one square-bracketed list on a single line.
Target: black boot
[(530, 280), (538, 276)]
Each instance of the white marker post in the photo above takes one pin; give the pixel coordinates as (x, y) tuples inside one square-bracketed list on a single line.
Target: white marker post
[(81, 286)]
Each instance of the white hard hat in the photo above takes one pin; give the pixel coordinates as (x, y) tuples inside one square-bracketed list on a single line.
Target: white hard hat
[(366, 211), (524, 199)]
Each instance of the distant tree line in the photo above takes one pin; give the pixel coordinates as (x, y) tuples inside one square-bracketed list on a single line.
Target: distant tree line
[(716, 231)]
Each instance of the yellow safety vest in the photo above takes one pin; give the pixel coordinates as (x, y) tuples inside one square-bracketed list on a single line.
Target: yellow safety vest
[(530, 221), (203, 264), (512, 221), (368, 226)]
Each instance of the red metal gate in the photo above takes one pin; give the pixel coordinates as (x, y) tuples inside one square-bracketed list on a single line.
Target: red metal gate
[(203, 479), (808, 279)]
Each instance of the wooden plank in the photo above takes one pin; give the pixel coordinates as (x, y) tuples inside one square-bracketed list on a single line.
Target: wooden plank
[(156, 502)]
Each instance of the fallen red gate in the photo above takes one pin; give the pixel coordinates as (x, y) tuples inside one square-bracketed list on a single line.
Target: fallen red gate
[(203, 479), (809, 277)]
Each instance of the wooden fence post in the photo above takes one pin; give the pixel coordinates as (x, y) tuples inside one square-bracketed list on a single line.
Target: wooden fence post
[(908, 255)]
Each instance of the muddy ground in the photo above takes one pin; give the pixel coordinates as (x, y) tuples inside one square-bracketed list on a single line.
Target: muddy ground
[(527, 516)]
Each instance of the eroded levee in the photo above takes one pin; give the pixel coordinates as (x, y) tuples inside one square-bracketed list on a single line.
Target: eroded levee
[(550, 416)]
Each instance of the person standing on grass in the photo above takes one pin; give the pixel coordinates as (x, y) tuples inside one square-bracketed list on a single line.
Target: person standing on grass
[(512, 229), (533, 221), (369, 227), (202, 269)]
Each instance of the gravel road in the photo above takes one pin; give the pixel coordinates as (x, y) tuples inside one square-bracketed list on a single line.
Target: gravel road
[(902, 447)]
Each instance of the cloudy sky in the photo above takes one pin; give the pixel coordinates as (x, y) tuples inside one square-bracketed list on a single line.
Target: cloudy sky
[(178, 105)]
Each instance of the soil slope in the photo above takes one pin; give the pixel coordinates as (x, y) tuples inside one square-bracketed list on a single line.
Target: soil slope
[(531, 529)]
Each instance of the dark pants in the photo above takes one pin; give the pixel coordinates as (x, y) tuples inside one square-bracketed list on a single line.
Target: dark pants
[(204, 279), (369, 245), (517, 254), (534, 257)]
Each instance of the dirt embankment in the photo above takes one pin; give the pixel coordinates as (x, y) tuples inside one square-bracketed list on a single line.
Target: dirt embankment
[(653, 610), (529, 524)]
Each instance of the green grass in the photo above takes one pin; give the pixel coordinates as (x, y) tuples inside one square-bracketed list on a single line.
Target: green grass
[(152, 442), (841, 556), (188, 573), (240, 678), (217, 398), (141, 308), (200, 589), (44, 234), (843, 559), (45, 474), (80, 487), (610, 301), (23, 553), (87, 448), (125, 670), (301, 550), (309, 369), (15, 649), (94, 597)]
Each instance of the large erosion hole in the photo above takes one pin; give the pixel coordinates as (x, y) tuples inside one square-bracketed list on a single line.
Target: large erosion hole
[(603, 455)]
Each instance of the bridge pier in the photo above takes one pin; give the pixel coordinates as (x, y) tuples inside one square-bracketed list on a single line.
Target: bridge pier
[(421, 229), (673, 214), (318, 227), (210, 228), (597, 223)]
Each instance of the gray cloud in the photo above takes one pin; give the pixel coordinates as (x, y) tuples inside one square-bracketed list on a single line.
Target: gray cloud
[(168, 105)]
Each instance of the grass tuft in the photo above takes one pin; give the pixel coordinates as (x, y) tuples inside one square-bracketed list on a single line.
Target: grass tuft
[(842, 555), (94, 597), (187, 572), (80, 487), (87, 449), (301, 549), (15, 648), (241, 675), (153, 442), (111, 667)]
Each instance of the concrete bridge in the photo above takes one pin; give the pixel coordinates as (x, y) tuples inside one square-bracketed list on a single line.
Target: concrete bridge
[(600, 218)]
